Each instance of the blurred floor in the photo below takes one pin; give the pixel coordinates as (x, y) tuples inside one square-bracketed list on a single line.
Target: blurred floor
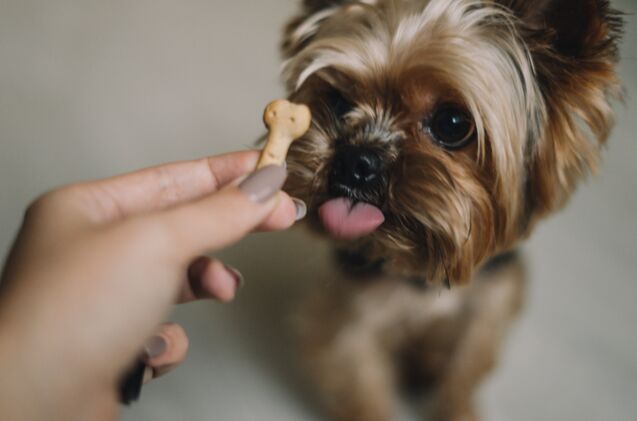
[(90, 88)]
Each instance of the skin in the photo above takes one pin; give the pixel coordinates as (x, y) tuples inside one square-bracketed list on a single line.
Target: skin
[(97, 266)]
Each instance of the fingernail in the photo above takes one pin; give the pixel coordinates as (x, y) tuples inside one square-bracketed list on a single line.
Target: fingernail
[(301, 208), (262, 184), (155, 347), (238, 277), (149, 374)]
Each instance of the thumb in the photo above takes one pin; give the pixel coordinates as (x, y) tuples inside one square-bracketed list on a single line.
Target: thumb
[(224, 217)]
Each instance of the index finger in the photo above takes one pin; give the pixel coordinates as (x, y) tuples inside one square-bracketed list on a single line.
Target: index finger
[(166, 185)]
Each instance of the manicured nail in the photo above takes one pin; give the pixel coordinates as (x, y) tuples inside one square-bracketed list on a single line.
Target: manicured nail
[(155, 347), (238, 277), (149, 374), (263, 184), (301, 208)]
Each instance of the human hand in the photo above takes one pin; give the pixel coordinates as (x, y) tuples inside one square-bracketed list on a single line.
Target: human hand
[(97, 266)]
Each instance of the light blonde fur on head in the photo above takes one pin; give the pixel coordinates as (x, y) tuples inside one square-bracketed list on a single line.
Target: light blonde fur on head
[(474, 47), (475, 53)]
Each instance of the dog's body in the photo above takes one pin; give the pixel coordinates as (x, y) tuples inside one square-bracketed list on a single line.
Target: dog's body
[(443, 130), (365, 337)]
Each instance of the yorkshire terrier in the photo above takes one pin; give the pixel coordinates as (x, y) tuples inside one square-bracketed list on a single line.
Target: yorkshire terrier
[(443, 131)]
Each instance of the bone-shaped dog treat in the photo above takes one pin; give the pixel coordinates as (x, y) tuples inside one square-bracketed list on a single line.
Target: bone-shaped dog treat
[(286, 122)]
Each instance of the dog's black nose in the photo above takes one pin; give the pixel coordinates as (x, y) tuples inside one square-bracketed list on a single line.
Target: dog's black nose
[(355, 168)]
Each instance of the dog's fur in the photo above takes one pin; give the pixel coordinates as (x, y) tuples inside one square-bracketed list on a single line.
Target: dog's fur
[(536, 77)]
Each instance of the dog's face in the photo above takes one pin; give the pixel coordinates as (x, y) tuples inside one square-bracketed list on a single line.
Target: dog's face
[(443, 129)]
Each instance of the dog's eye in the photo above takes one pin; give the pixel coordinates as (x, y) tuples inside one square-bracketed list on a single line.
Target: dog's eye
[(338, 104), (451, 126)]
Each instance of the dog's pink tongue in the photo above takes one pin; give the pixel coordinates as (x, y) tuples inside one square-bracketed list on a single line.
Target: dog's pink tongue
[(346, 222)]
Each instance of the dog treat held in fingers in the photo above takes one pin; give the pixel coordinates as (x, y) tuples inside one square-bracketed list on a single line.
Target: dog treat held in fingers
[(286, 122)]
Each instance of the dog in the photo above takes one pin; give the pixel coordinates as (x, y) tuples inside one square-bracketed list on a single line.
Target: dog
[(442, 132)]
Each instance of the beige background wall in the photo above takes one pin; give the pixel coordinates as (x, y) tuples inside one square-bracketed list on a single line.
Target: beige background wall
[(92, 88)]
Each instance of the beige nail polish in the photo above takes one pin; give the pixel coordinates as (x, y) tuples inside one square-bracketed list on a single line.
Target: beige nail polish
[(155, 346), (238, 276), (149, 374), (263, 184), (301, 208)]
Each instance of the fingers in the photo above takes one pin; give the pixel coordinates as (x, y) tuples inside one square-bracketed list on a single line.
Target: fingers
[(210, 279), (166, 350), (164, 186), (284, 215), (226, 216)]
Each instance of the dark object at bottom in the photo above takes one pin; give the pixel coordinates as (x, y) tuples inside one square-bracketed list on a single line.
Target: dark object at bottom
[(131, 386)]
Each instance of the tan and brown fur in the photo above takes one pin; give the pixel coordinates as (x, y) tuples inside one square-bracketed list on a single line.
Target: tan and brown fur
[(537, 78)]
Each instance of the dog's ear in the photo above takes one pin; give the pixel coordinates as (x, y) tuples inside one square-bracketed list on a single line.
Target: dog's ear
[(300, 30), (573, 28), (573, 44)]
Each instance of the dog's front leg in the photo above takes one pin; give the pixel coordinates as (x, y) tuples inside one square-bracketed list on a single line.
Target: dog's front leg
[(346, 361), (494, 302)]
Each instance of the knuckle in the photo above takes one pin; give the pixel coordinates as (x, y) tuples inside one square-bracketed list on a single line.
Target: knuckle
[(34, 208), (55, 200), (42, 204)]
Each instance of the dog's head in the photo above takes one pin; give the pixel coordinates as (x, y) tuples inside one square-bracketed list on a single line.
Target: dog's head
[(444, 129)]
